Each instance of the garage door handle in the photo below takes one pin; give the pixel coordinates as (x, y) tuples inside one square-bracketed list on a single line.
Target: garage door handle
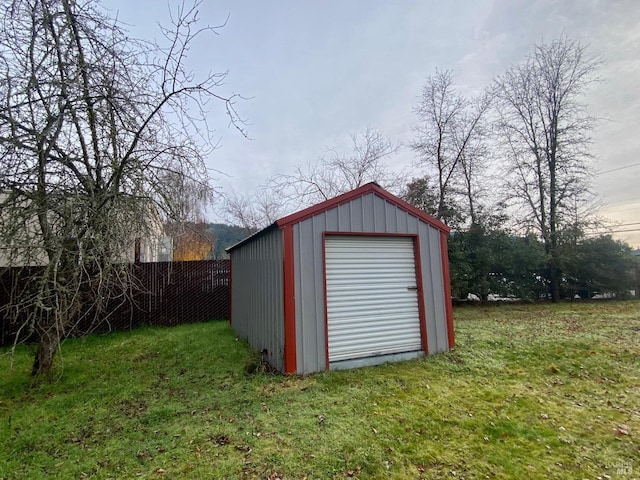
[(412, 289)]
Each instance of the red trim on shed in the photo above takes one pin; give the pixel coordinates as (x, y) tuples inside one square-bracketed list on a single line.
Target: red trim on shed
[(342, 199), (359, 192), (290, 362), (326, 311), (369, 234), (448, 305), (422, 317), (421, 308), (230, 289)]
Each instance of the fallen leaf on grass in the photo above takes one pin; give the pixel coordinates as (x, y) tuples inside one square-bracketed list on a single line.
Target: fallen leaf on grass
[(353, 473), (160, 471), (221, 440), (622, 430), (553, 368)]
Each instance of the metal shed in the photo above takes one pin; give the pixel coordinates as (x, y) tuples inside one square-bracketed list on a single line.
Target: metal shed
[(360, 279)]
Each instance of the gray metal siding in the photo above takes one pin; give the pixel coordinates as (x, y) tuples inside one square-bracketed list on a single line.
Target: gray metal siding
[(370, 214), (257, 298), (309, 296), (433, 287)]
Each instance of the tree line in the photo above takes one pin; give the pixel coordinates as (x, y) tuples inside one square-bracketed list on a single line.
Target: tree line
[(508, 169), (486, 261), (490, 264)]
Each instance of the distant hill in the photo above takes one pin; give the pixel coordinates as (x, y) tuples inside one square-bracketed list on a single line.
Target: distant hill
[(227, 235)]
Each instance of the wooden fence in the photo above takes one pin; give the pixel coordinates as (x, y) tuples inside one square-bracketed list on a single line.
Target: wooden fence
[(166, 293)]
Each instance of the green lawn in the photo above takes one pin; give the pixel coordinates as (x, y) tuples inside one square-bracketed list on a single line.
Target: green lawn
[(539, 391)]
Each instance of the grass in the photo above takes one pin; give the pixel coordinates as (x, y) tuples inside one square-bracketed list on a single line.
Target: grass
[(530, 391)]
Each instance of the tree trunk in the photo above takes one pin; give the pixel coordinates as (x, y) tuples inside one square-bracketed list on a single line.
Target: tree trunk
[(46, 352), (554, 278)]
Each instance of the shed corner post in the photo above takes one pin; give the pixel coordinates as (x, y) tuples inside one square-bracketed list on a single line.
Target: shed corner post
[(446, 278), (290, 360), (230, 280), (417, 259)]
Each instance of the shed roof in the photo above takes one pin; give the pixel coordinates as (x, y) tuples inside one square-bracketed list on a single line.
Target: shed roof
[(344, 198)]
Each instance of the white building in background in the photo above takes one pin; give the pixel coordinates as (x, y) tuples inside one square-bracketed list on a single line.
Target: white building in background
[(26, 250), (158, 249)]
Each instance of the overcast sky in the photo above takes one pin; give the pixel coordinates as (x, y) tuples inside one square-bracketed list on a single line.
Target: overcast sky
[(315, 71)]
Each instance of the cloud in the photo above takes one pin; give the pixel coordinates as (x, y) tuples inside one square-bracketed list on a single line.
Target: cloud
[(318, 70)]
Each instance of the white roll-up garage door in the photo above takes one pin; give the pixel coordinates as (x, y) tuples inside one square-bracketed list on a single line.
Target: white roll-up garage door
[(372, 300)]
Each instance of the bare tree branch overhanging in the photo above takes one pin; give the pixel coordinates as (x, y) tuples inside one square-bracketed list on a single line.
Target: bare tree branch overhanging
[(102, 137)]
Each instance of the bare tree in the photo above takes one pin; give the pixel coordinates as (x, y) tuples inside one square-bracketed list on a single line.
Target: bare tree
[(472, 139), (546, 131), (93, 125), (451, 142), (317, 181), (253, 211), (184, 200), (338, 173)]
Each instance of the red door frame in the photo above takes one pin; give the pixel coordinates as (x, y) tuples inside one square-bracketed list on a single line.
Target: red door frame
[(288, 270), (418, 269)]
